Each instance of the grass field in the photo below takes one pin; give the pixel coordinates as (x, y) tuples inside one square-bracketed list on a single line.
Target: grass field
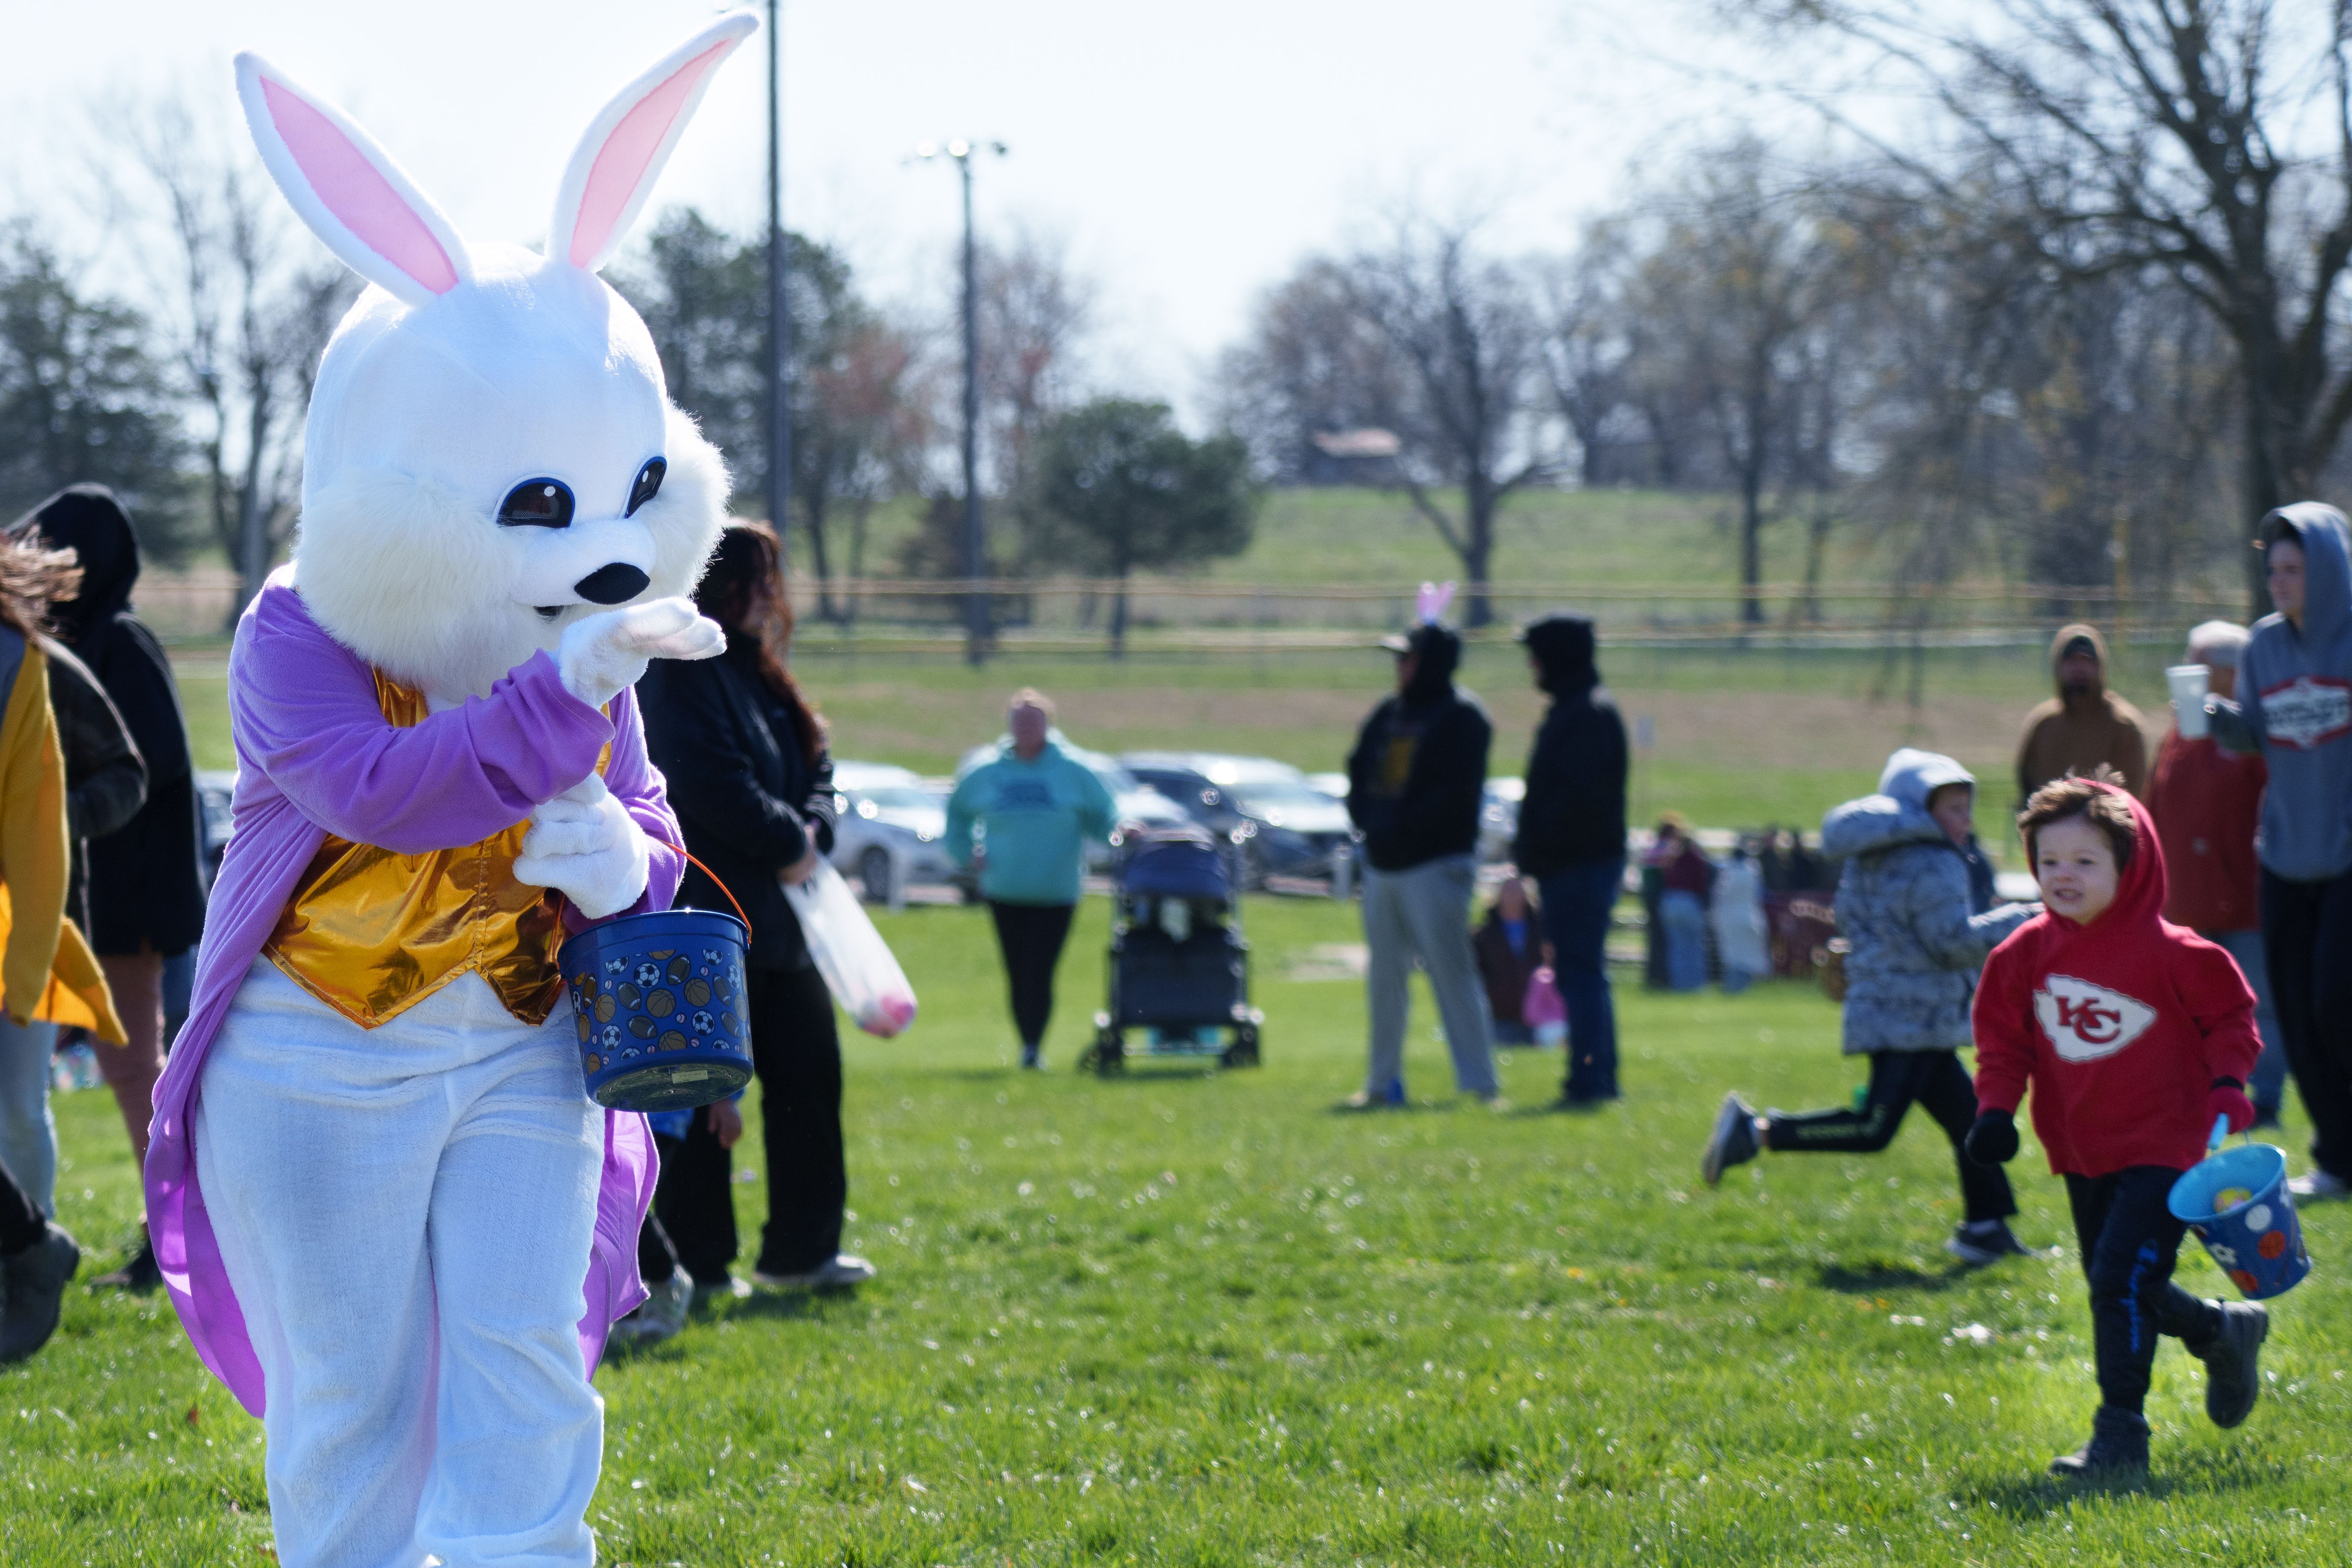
[(1199, 1318)]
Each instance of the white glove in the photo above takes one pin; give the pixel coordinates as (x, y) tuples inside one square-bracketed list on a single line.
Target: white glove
[(602, 655), (585, 845)]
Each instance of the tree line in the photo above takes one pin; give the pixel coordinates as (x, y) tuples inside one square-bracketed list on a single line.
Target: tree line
[(2079, 319)]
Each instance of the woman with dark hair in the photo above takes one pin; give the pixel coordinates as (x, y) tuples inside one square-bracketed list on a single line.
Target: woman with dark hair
[(751, 780)]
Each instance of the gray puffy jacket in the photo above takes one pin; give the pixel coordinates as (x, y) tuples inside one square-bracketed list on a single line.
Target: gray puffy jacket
[(1903, 902)]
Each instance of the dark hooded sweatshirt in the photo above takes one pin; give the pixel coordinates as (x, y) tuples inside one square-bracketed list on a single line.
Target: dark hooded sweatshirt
[(1419, 769), (146, 880), (1574, 812), (2074, 733), (2295, 705)]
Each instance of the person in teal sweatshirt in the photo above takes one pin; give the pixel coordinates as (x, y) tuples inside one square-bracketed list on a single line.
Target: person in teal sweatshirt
[(1036, 808)]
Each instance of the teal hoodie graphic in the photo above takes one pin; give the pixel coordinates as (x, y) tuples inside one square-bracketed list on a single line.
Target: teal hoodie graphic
[(1035, 819)]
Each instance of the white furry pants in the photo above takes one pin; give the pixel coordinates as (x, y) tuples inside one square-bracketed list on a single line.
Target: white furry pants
[(405, 1214)]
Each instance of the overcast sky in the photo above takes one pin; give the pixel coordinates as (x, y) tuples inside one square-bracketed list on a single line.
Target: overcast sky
[(1187, 155)]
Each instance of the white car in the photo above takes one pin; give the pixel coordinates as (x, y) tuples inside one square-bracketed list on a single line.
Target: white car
[(892, 831), (1498, 818)]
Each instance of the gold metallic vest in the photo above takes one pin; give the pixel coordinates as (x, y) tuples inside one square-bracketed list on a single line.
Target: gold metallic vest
[(371, 933)]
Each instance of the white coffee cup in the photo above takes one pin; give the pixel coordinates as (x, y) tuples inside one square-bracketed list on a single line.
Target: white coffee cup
[(2187, 682)]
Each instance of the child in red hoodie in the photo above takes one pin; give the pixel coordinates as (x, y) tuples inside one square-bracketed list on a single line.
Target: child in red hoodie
[(2134, 1034)]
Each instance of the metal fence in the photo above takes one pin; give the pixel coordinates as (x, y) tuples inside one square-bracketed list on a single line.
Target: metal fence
[(1209, 615)]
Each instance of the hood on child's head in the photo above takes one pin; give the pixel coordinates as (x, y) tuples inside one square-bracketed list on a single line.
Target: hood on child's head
[(89, 521), (1912, 775), (2326, 544), (2079, 638), (2140, 889)]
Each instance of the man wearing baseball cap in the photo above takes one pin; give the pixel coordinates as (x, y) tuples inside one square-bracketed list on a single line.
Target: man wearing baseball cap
[(2085, 725), (1415, 782)]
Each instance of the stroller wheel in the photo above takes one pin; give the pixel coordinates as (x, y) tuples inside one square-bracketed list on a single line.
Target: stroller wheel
[(1243, 1052), (1107, 1055)]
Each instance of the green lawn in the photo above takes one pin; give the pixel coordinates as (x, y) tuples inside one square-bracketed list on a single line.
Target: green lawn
[(1199, 1318)]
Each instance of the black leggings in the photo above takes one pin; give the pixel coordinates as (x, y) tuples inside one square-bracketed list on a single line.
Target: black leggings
[(694, 1202), (2307, 933), (1941, 1086), (796, 1050), (1031, 937), (2130, 1242)]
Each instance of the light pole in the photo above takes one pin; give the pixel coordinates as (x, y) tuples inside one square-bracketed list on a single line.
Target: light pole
[(976, 615), (779, 315)]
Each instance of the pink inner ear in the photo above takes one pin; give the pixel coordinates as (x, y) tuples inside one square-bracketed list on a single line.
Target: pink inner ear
[(356, 192), (621, 162)]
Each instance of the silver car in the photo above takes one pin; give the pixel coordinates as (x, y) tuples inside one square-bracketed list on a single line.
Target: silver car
[(892, 831)]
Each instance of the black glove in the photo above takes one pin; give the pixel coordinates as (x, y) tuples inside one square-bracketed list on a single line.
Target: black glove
[(1993, 1140)]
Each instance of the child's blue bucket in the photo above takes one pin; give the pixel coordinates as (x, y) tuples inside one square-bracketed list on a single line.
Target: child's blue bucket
[(2254, 1238), (658, 1002)]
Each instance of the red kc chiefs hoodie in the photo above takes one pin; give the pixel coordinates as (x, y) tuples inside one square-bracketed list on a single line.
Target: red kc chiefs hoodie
[(2120, 1024)]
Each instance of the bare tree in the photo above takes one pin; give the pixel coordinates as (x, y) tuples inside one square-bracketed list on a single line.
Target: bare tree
[(1592, 340), (248, 303), (1737, 287), (2160, 132), (1311, 365), (1464, 336), (1036, 313)]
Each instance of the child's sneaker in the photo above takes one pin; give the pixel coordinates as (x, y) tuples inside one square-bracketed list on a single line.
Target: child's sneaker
[(1733, 1141), (2233, 1382), (1984, 1241), (2117, 1450)]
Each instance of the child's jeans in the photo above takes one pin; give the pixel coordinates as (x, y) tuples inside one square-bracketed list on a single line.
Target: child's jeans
[(2130, 1242), (1937, 1084)]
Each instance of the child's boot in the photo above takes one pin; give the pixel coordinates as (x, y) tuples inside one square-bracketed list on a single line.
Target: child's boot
[(2117, 1450), (1731, 1142), (2233, 1381)]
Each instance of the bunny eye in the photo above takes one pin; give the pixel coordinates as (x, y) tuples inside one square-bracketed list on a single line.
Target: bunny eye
[(647, 485), (537, 503)]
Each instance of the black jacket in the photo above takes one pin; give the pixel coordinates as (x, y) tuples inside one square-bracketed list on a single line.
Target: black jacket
[(750, 801), (1416, 778), (106, 782), (146, 880), (1574, 809)]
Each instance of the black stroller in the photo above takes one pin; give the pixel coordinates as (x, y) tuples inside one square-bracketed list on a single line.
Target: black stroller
[(1178, 963)]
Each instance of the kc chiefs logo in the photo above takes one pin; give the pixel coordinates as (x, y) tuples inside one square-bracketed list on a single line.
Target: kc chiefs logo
[(2086, 1022)]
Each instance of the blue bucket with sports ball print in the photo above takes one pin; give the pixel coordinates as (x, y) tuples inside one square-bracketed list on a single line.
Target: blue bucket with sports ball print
[(659, 1005), (2236, 1202)]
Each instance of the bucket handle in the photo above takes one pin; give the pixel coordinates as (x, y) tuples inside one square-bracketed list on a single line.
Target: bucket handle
[(716, 880)]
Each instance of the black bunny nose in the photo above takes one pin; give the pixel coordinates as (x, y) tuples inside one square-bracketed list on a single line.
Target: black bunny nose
[(614, 585)]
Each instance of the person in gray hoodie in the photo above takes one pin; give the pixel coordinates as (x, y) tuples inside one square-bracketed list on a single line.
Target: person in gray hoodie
[(1915, 902), (2294, 706)]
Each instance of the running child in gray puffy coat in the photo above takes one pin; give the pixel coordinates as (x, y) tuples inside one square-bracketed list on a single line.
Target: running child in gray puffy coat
[(1916, 903)]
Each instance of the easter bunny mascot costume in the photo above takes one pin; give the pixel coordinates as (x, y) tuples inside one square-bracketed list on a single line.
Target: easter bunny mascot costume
[(390, 1216)]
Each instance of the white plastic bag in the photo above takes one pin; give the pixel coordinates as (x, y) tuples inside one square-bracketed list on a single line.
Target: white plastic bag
[(858, 966)]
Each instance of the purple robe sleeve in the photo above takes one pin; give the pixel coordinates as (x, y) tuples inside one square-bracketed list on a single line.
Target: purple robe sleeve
[(304, 711)]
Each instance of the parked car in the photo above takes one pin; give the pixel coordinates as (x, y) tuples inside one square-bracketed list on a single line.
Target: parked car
[(1287, 827), (1333, 785), (1498, 818), (892, 829)]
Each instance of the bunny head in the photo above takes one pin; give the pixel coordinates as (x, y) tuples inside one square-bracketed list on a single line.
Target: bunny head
[(491, 452)]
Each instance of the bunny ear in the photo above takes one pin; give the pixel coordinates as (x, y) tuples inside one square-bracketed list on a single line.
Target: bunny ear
[(613, 168), (1431, 601), (350, 194)]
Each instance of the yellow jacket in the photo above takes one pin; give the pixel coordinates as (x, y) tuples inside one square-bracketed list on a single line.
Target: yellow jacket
[(47, 971)]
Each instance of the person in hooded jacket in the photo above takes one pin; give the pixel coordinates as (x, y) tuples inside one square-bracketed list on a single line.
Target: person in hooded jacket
[(752, 782), (2085, 726), (146, 901), (1415, 783), (1916, 900), (2293, 705), (1572, 840)]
